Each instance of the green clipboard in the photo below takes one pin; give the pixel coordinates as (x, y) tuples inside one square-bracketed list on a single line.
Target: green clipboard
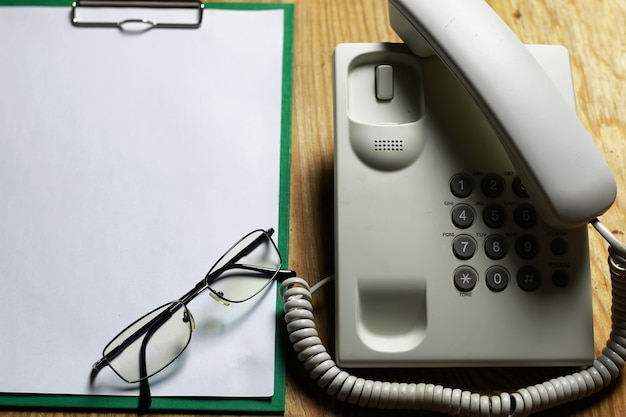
[(275, 404)]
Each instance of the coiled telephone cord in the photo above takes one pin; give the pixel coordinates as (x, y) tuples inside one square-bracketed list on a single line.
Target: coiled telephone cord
[(298, 308)]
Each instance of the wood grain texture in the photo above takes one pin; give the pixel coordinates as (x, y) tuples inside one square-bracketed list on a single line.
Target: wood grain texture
[(593, 31)]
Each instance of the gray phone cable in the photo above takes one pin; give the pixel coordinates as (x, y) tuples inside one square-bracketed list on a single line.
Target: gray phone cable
[(298, 308)]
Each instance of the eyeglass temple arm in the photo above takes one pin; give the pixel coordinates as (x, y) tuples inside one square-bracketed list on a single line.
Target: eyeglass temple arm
[(154, 324), (281, 275), (252, 246), (97, 367), (232, 263), (145, 398)]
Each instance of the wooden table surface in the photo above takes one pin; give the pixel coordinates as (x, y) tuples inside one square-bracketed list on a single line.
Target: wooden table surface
[(593, 31)]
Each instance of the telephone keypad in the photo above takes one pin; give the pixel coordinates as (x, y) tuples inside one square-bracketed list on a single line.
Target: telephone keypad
[(508, 231)]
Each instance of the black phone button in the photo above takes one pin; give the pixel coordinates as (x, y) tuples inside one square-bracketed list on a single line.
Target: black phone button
[(496, 246), (463, 216), (461, 185), (519, 189), (528, 278), (494, 216), (464, 247), (465, 278), (525, 216), (497, 278), (527, 247), (492, 185)]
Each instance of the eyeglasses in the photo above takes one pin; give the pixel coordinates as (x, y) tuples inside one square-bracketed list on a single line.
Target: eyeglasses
[(154, 341)]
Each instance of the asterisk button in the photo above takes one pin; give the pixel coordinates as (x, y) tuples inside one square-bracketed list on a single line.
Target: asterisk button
[(465, 278)]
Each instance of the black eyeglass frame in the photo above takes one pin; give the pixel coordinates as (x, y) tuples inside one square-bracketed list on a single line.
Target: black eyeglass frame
[(147, 330)]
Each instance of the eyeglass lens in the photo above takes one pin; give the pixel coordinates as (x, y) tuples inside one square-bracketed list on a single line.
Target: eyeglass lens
[(247, 268), (167, 330)]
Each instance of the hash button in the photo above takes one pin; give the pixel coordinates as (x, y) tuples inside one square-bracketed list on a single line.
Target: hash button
[(528, 278)]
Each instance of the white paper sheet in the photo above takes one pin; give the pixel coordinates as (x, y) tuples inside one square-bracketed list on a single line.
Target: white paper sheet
[(128, 164)]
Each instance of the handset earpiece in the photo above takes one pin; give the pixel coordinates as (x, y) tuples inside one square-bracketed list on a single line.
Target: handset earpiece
[(564, 173)]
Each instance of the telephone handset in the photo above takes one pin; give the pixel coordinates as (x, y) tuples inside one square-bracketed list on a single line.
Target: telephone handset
[(564, 173)]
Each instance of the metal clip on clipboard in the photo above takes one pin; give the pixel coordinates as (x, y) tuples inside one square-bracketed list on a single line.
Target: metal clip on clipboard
[(87, 13)]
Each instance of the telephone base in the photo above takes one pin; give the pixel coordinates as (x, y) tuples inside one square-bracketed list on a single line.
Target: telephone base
[(441, 259)]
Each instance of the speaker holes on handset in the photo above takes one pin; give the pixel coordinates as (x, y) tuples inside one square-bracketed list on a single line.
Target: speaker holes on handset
[(393, 145)]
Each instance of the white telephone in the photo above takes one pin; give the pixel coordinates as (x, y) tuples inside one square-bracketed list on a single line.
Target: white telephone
[(464, 183)]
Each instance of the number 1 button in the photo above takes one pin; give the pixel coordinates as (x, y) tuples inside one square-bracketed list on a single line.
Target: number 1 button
[(461, 185)]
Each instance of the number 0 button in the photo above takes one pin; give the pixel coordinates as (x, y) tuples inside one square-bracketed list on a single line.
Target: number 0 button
[(497, 278), (463, 216)]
